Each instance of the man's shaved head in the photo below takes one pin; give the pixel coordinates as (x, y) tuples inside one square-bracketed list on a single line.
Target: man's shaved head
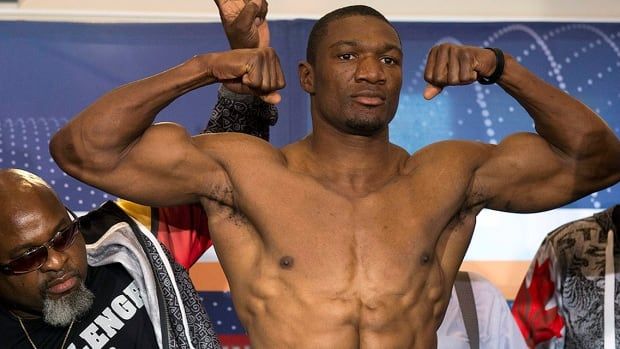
[(30, 216), (319, 30)]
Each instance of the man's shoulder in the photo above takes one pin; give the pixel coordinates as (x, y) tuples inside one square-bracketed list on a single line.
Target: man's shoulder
[(454, 148), (205, 139), (236, 149), (452, 154)]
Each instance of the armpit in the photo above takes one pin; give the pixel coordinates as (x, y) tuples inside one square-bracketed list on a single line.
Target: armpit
[(221, 194)]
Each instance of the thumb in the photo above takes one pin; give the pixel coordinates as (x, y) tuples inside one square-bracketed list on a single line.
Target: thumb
[(247, 16), (262, 8), (431, 91), (272, 98)]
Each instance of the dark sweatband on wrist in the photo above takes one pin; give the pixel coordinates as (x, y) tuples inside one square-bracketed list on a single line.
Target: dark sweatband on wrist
[(499, 68)]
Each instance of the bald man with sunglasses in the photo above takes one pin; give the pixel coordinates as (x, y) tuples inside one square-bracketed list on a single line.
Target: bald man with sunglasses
[(39, 233), (100, 281)]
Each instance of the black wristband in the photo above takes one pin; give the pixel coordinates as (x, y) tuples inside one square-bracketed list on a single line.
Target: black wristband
[(499, 68)]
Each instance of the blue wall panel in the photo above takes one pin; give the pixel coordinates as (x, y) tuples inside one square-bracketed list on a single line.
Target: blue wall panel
[(50, 71)]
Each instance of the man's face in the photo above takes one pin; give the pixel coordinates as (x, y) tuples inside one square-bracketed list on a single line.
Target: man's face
[(358, 75), (29, 226)]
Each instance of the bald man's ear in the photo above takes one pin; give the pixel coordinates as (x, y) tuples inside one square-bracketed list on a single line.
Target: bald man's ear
[(306, 77)]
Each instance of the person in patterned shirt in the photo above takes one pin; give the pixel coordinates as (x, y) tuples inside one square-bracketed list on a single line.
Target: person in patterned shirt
[(568, 298)]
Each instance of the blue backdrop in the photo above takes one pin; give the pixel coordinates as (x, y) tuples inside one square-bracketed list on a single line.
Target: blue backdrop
[(50, 71)]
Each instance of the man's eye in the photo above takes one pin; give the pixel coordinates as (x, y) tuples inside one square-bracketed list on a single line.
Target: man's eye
[(346, 56), (389, 60), (28, 251)]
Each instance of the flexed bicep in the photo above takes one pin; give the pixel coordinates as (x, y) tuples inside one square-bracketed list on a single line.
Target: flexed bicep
[(524, 173), (113, 144), (162, 167)]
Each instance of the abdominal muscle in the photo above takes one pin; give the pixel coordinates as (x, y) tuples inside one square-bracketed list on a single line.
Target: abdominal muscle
[(341, 275), (290, 312)]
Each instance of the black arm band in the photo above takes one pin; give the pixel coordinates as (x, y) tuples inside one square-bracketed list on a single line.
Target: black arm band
[(241, 113), (499, 68)]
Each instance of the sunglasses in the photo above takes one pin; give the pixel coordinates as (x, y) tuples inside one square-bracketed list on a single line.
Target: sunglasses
[(35, 258)]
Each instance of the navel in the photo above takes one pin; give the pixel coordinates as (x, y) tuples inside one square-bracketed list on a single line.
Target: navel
[(286, 262), (425, 258)]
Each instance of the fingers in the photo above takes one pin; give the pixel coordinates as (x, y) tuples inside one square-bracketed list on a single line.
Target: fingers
[(222, 7), (251, 14), (244, 22), (454, 66), (429, 70), (260, 23), (435, 72), (449, 65), (262, 10), (252, 71), (266, 76), (247, 71), (276, 74)]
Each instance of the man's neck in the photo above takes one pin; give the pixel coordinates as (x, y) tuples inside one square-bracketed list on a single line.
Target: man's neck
[(353, 164)]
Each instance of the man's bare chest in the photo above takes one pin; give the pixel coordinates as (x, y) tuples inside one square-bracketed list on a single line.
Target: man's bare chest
[(304, 218)]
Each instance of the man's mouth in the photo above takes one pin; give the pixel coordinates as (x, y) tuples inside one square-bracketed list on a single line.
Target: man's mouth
[(369, 98), (62, 285)]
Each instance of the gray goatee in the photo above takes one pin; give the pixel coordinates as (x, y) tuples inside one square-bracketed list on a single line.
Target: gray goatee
[(60, 312)]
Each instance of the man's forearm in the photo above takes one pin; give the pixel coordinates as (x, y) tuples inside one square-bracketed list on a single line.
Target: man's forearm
[(112, 123), (242, 113), (563, 121)]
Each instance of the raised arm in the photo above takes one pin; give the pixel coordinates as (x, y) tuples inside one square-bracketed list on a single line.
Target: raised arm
[(112, 144), (183, 229), (246, 26), (572, 154)]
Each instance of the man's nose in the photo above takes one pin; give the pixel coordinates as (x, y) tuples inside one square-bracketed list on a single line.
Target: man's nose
[(55, 260), (370, 69)]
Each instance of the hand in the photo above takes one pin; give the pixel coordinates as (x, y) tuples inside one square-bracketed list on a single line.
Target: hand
[(450, 65), (244, 22), (251, 71)]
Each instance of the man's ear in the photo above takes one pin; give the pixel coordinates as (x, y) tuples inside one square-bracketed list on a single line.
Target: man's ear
[(306, 77)]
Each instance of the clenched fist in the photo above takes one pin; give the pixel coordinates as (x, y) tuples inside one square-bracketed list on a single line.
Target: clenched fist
[(252, 71), (450, 65)]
